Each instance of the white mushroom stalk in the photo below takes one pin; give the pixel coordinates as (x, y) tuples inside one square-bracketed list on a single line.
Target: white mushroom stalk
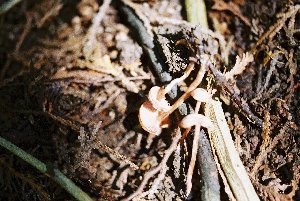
[(187, 72), (201, 95), (197, 120)]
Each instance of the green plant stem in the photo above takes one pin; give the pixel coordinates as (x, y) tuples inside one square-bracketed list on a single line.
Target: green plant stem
[(196, 12), (56, 175), (4, 7)]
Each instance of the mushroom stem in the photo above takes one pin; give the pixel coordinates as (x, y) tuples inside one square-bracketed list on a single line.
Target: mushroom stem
[(168, 88), (187, 72), (194, 153), (185, 134), (200, 95), (193, 86)]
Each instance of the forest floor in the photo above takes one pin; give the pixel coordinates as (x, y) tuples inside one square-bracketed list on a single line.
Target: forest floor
[(71, 89)]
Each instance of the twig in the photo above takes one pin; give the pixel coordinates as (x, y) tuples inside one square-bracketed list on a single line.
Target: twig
[(89, 77), (6, 6), (59, 119), (121, 158), (221, 5), (149, 174), (91, 35), (266, 142), (26, 30), (117, 155), (56, 175), (238, 102), (108, 102), (260, 93), (54, 11), (276, 27)]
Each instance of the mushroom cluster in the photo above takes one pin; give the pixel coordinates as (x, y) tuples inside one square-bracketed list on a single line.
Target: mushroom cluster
[(154, 113), (151, 111)]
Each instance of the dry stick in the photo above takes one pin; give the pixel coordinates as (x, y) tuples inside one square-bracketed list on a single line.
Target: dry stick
[(108, 102), (26, 30), (96, 80), (91, 35), (149, 174), (266, 142), (121, 158), (117, 155), (238, 102), (221, 5), (268, 145)]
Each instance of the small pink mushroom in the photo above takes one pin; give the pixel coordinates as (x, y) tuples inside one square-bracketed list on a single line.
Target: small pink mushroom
[(148, 118), (159, 103), (194, 120), (201, 95)]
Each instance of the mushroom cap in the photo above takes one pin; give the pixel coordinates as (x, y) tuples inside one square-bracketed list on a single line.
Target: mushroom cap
[(148, 118), (201, 95), (196, 119), (160, 105)]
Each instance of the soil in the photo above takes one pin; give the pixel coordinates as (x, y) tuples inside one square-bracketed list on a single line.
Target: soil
[(59, 98)]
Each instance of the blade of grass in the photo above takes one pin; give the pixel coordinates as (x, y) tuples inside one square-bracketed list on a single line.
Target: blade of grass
[(6, 6), (56, 175), (196, 12)]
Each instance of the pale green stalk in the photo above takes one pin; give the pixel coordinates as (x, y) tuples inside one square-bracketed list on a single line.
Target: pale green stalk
[(56, 175), (4, 7), (196, 12)]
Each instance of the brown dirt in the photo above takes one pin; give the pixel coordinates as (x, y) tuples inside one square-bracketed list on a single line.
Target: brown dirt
[(49, 89)]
